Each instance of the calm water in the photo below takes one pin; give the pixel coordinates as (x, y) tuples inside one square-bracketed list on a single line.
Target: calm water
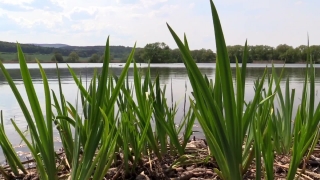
[(175, 73)]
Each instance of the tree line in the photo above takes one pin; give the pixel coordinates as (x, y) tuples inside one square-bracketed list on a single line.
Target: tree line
[(282, 52), (159, 52), (117, 52)]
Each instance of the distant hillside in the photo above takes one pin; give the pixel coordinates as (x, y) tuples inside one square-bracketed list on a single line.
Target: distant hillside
[(117, 52), (51, 45)]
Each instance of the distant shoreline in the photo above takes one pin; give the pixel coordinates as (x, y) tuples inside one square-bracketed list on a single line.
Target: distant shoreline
[(50, 62), (116, 61)]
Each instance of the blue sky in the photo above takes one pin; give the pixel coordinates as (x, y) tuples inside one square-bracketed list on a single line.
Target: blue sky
[(79, 22)]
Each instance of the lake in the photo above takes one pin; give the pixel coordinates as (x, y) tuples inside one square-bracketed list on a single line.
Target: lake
[(170, 74)]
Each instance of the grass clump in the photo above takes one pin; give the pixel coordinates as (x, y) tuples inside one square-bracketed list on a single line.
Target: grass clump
[(224, 120)]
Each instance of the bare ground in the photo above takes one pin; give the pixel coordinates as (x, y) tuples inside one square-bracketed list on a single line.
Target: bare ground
[(196, 164)]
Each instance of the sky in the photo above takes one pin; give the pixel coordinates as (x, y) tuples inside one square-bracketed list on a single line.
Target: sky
[(87, 23)]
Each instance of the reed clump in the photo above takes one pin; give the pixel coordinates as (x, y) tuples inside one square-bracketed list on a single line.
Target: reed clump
[(119, 130)]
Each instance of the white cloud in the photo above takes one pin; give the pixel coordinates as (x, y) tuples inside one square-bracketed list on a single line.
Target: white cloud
[(34, 17), (61, 3), (90, 22), (191, 5), (16, 2), (148, 3)]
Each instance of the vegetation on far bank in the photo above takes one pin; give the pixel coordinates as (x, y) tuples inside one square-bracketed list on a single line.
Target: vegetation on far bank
[(157, 52)]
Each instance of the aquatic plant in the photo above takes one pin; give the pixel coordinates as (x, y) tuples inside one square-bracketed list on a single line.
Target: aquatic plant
[(113, 119), (220, 111), (9, 153), (306, 122)]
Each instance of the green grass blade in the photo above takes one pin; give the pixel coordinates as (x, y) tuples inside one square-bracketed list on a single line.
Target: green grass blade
[(76, 150), (40, 166), (10, 154), (233, 123)]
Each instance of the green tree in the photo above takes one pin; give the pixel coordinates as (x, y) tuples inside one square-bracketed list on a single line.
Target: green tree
[(196, 55), (138, 55), (176, 56), (235, 52), (281, 52), (292, 56), (261, 53), (57, 57), (95, 58), (157, 53), (302, 52), (315, 53), (73, 57), (203, 55), (208, 56)]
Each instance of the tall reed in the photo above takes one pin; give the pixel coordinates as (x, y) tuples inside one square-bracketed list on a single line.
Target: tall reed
[(41, 131), (282, 120), (306, 122), (11, 156), (101, 98), (218, 110)]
